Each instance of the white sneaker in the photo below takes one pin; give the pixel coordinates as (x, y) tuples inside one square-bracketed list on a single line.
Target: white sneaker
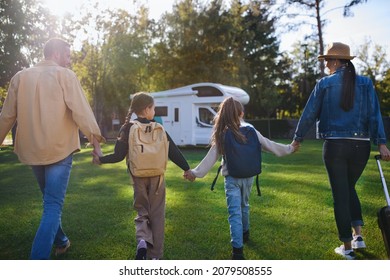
[(358, 242), (348, 254)]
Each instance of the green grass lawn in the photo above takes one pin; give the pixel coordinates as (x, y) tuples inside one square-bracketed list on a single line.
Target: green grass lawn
[(292, 220)]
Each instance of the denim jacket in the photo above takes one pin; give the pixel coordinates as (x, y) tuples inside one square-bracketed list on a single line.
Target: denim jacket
[(364, 120)]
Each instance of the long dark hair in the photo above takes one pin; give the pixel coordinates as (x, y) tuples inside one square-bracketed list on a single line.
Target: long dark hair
[(349, 79), (228, 116)]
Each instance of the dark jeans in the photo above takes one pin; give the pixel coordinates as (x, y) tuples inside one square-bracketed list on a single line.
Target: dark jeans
[(345, 161)]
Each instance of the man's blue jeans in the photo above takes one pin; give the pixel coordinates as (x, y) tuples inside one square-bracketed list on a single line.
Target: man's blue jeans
[(237, 192), (345, 161), (53, 181)]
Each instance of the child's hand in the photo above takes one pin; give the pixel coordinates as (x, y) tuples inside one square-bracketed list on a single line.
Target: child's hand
[(189, 175), (97, 151), (296, 145), (95, 158)]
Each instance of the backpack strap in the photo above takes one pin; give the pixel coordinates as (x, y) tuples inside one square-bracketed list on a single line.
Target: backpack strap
[(257, 185), (216, 177)]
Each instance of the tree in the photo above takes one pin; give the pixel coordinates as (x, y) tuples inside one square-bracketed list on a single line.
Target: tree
[(383, 88), (304, 75), (211, 43), (192, 45), (126, 50), (259, 49), (315, 11), (25, 26), (371, 60)]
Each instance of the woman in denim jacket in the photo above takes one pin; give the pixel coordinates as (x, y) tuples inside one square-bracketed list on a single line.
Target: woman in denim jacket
[(348, 114)]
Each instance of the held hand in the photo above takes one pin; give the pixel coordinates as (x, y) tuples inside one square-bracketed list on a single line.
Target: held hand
[(96, 147), (296, 145), (95, 158), (189, 175), (186, 175), (97, 153), (97, 150)]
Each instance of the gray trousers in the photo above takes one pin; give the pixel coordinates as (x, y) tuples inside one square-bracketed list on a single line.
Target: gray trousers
[(149, 202)]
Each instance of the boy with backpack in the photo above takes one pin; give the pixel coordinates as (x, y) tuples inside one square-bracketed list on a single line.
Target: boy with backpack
[(147, 147), (229, 125)]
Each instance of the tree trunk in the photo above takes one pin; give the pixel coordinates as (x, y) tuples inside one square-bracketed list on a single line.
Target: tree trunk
[(320, 39)]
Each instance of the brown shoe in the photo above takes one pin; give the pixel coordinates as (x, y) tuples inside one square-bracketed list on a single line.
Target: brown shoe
[(62, 249)]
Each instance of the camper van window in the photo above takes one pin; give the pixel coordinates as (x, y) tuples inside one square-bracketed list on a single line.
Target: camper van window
[(207, 91), (206, 117), (215, 107), (176, 114), (161, 111)]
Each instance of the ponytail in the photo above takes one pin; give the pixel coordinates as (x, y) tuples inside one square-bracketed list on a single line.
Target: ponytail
[(349, 80), (128, 116)]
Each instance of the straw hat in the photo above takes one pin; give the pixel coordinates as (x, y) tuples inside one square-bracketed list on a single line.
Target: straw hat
[(337, 50)]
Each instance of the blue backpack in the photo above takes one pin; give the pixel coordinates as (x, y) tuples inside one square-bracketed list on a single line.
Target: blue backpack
[(243, 160)]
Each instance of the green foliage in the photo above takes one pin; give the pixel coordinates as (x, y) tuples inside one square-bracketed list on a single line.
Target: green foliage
[(125, 52), (234, 46), (195, 45), (25, 26), (3, 93), (303, 64), (372, 62), (259, 48), (292, 220), (383, 89)]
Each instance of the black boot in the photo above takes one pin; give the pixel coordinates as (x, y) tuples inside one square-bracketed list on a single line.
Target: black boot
[(141, 250), (141, 254), (238, 254)]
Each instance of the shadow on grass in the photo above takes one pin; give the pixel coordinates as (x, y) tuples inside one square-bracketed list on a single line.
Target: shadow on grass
[(292, 220)]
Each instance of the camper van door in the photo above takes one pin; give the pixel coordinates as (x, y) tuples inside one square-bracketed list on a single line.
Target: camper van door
[(175, 122), (169, 117)]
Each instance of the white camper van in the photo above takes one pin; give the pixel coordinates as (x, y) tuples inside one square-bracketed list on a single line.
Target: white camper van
[(187, 112)]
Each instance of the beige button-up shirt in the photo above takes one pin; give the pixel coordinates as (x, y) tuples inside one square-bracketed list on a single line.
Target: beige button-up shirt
[(49, 105)]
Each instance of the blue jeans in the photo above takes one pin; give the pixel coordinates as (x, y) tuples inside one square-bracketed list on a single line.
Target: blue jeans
[(237, 192), (53, 181), (345, 161)]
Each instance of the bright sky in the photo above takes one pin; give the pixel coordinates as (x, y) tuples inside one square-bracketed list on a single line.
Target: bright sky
[(371, 20)]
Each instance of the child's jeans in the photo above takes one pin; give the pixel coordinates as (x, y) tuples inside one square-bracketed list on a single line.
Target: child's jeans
[(237, 192)]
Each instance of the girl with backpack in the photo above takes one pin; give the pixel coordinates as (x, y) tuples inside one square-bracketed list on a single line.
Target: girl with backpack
[(237, 190), (149, 189)]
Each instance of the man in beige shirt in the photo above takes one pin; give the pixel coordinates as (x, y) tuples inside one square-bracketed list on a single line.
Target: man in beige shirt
[(49, 105)]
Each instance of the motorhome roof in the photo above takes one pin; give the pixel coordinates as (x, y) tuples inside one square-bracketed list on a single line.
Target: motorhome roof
[(190, 90)]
